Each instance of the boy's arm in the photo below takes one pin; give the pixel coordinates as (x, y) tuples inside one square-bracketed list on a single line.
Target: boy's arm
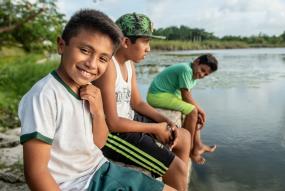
[(187, 97), (36, 157), (106, 83), (100, 130), (144, 108)]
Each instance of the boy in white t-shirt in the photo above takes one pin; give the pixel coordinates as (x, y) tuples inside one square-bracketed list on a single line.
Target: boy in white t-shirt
[(62, 119)]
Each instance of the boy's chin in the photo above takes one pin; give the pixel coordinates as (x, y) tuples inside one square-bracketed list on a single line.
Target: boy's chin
[(96, 78), (89, 82)]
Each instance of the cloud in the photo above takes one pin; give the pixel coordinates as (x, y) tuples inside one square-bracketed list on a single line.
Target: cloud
[(223, 17)]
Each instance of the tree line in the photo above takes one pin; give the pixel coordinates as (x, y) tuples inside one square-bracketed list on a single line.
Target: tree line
[(185, 33)]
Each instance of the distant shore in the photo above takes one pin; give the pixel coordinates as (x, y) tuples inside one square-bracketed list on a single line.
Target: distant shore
[(211, 44)]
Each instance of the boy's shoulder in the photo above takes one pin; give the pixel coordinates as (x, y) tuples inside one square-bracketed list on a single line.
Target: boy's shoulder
[(43, 87), (44, 84), (180, 67)]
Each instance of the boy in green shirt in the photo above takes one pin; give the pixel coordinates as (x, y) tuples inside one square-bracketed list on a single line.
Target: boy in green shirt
[(171, 89)]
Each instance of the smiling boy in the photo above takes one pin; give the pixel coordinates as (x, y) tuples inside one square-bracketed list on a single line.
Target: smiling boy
[(171, 89)]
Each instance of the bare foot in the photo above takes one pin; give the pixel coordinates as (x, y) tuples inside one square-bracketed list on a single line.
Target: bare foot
[(204, 148), (198, 159)]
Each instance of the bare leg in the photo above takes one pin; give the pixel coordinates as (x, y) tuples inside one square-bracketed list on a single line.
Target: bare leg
[(176, 175), (198, 148), (190, 124), (168, 188), (182, 149), (183, 145)]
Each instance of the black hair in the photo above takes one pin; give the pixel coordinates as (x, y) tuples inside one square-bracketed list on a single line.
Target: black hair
[(133, 39), (93, 20), (209, 60)]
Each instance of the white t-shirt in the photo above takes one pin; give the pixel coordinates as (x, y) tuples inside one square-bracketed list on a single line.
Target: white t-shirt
[(123, 91), (54, 114)]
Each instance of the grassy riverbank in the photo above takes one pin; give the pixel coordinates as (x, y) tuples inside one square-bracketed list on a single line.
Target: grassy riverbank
[(18, 72), (211, 44)]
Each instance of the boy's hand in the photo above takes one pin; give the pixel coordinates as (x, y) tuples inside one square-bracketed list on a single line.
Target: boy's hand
[(163, 133), (201, 118), (92, 94), (173, 139)]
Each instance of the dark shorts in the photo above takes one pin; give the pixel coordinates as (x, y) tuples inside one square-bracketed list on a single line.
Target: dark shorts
[(111, 177), (139, 149)]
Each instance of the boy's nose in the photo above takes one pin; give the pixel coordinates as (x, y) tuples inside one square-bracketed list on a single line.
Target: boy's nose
[(147, 48), (199, 75), (93, 64)]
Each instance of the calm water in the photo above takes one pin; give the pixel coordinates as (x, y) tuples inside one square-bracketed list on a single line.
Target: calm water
[(245, 105)]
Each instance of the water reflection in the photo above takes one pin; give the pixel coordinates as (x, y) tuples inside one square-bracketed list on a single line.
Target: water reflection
[(248, 126), (245, 109)]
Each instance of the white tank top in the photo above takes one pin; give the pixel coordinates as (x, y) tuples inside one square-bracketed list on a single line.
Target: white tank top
[(123, 91)]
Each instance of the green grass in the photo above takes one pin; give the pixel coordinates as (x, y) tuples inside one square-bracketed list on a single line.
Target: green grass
[(17, 75), (210, 44)]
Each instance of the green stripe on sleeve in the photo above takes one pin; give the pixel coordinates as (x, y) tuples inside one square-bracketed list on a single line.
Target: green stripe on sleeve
[(35, 135)]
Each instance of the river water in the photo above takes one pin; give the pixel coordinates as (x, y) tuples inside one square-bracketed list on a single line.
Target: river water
[(245, 105)]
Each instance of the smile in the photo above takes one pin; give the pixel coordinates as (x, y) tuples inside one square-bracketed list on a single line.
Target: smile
[(85, 73)]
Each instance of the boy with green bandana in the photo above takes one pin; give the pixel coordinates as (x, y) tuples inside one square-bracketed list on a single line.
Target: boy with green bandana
[(171, 89), (62, 119), (132, 140)]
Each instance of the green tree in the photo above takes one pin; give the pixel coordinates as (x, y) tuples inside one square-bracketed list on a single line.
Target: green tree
[(282, 36), (34, 26), (185, 33)]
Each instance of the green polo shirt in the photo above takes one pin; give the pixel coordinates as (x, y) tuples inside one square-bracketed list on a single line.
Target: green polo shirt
[(172, 79)]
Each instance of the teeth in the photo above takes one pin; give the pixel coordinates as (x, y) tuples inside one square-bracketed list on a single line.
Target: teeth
[(86, 74)]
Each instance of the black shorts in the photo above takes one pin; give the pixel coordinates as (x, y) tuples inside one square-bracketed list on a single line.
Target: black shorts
[(139, 149)]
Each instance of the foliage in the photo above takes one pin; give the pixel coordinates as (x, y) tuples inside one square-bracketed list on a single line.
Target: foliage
[(184, 33), (183, 37), (33, 26), (15, 81), (257, 39), (189, 45)]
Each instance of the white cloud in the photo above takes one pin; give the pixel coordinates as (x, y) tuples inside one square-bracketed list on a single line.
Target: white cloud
[(223, 17)]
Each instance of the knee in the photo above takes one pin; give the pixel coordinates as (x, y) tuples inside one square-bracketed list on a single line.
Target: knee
[(183, 142), (193, 113), (185, 136)]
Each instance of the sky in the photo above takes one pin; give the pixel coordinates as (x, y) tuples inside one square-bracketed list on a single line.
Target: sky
[(221, 17)]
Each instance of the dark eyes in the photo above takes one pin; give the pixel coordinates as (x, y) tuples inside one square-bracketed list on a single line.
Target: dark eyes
[(85, 51), (204, 71), (104, 59)]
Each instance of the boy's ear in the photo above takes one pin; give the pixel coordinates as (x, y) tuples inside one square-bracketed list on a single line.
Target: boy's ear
[(125, 42), (60, 45)]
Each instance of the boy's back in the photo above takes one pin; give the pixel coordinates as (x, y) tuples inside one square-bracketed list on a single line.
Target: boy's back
[(173, 78)]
